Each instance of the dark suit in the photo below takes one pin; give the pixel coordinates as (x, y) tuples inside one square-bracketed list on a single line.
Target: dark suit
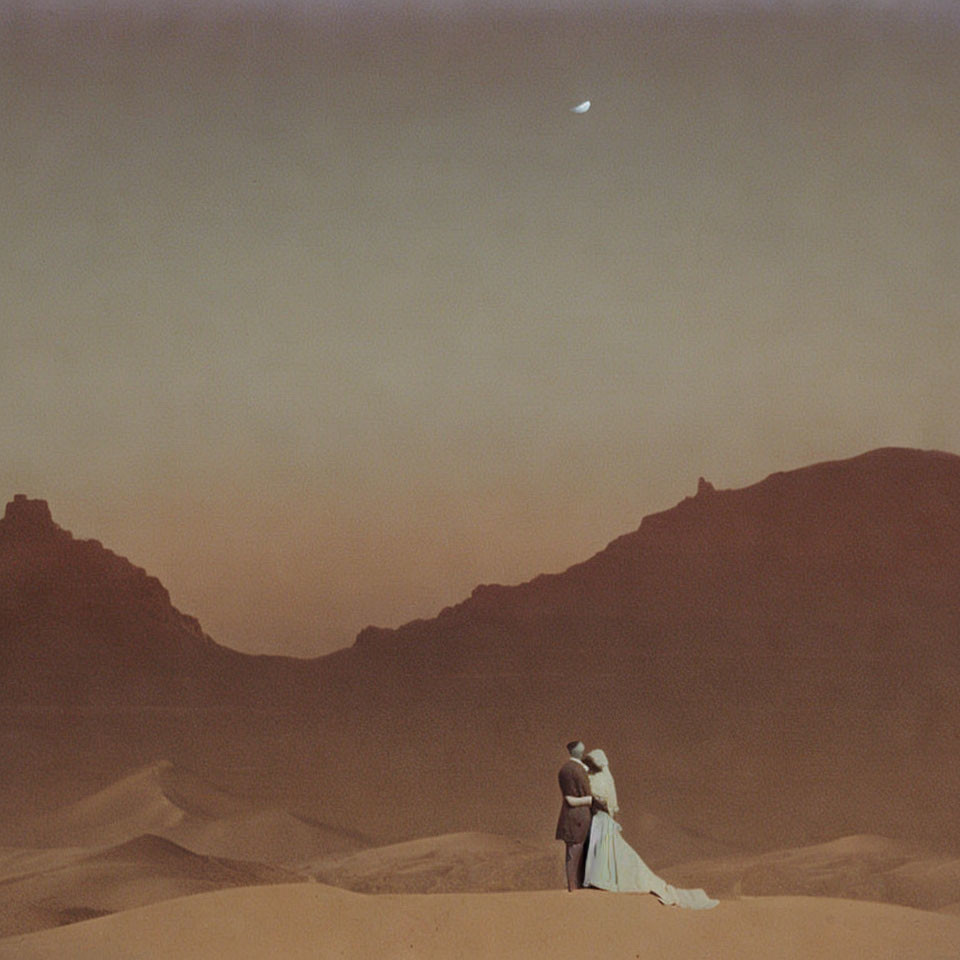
[(573, 826)]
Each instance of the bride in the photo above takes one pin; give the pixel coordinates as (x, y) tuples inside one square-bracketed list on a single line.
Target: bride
[(612, 864)]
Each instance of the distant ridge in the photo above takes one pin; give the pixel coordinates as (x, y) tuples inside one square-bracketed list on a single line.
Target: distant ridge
[(81, 625), (766, 667), (777, 663), (723, 566), (857, 556)]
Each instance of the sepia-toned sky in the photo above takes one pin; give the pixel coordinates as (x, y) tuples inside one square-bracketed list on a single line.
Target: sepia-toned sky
[(324, 321)]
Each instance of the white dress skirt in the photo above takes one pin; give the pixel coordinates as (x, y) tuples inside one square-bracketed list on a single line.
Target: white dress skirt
[(612, 864)]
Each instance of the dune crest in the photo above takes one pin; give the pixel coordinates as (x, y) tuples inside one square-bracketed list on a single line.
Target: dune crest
[(862, 867), (167, 801), (451, 863), (74, 886)]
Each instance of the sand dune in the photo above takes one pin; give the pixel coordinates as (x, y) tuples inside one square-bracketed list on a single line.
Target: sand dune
[(139, 803), (460, 862), (856, 867), (167, 801), (44, 888), (80, 885), (473, 862), (19, 861), (316, 922), (933, 883)]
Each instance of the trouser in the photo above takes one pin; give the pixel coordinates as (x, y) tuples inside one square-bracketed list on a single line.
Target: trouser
[(575, 860)]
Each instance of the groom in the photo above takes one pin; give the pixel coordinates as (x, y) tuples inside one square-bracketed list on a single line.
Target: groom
[(573, 827)]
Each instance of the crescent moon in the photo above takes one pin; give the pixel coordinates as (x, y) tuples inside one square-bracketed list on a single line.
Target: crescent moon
[(581, 107)]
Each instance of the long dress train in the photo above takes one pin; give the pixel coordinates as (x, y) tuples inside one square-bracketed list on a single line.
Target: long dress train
[(612, 864)]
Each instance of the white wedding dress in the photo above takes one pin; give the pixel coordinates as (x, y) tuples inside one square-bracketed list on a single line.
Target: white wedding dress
[(612, 864)]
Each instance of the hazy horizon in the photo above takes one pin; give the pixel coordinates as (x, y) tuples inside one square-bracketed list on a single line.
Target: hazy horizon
[(325, 327)]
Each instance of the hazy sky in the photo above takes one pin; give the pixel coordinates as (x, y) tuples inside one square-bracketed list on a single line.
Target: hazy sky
[(326, 326), (481, 5)]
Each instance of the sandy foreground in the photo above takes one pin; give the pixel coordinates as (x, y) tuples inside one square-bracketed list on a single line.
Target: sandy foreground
[(309, 920)]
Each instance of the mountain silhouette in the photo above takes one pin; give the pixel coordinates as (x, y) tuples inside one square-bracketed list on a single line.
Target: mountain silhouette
[(857, 558), (765, 666), (81, 625), (778, 663)]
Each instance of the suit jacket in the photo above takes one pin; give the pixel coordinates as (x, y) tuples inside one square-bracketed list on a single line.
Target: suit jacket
[(574, 823)]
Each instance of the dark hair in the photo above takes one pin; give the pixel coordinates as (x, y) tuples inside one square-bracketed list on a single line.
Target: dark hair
[(572, 744)]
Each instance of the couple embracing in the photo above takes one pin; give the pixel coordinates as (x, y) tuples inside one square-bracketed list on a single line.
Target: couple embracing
[(597, 855)]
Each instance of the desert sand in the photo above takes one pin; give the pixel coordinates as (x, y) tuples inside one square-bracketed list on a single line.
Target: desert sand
[(460, 862), (855, 867), (147, 838), (73, 886), (317, 922), (168, 801)]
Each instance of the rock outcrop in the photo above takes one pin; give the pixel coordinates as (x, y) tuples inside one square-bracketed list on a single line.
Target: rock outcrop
[(81, 625)]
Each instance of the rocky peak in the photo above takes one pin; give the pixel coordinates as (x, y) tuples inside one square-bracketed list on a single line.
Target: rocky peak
[(28, 519)]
